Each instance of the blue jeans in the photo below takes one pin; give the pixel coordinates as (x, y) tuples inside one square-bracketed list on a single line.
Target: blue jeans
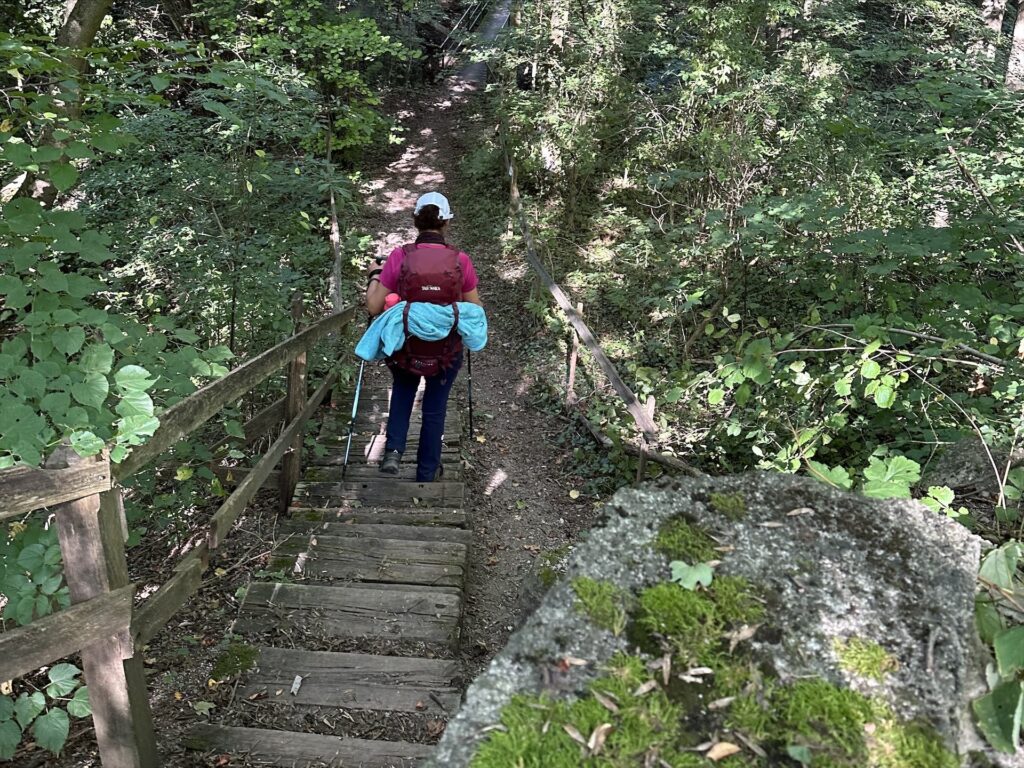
[(435, 409)]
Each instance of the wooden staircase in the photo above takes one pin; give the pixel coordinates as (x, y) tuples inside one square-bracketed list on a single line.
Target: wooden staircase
[(357, 638)]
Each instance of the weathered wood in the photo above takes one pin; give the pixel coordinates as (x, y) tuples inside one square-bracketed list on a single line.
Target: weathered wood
[(25, 649), (384, 492), (26, 489), (295, 400), (641, 466), (379, 530), (574, 352), (157, 610), (365, 470), (305, 750), (355, 681), (410, 614), (415, 516), (636, 410), (183, 418), (92, 546), (376, 559), (229, 511)]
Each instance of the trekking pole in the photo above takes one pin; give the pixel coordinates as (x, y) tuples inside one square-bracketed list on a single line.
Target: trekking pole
[(469, 384), (352, 418)]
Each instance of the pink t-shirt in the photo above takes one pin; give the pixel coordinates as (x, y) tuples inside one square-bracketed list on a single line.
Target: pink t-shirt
[(393, 268)]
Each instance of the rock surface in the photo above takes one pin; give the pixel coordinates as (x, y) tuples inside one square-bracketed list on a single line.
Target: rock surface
[(831, 566)]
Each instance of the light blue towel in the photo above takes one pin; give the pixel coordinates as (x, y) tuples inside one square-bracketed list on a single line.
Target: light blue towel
[(430, 322)]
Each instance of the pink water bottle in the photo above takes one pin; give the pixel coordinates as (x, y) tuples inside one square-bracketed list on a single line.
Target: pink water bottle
[(390, 300)]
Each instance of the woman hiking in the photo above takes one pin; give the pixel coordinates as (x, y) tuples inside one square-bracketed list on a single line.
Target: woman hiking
[(422, 336)]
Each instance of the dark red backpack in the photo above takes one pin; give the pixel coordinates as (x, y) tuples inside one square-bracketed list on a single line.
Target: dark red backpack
[(433, 275)]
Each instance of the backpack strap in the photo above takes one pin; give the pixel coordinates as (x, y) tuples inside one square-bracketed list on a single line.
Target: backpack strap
[(405, 319), (455, 323)]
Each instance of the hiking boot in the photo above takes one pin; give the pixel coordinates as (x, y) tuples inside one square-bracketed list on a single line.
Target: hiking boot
[(440, 473), (392, 459)]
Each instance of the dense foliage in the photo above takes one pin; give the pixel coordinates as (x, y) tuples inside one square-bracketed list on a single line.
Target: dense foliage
[(165, 195), (796, 224)]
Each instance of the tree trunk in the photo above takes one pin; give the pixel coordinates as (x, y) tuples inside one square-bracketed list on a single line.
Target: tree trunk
[(992, 12), (1015, 67), (81, 23)]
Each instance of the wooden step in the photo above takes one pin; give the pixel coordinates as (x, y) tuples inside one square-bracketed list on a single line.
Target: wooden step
[(363, 470), (355, 681), (411, 614), (371, 452), (384, 531), (304, 750), (380, 492), (372, 438), (368, 514), (324, 557)]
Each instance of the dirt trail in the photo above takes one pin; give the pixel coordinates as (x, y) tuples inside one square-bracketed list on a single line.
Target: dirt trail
[(517, 495)]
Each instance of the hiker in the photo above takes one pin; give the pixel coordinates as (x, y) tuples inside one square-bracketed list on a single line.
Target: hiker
[(437, 286)]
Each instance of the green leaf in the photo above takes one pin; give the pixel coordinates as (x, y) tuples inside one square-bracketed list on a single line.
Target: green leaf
[(1000, 565), (890, 479), (159, 82), (86, 443), (68, 341), (942, 494), (51, 730), (63, 680), (133, 378), (135, 404), (184, 473), (97, 358), (79, 706), (800, 753), (869, 369), (843, 387), (835, 476), (10, 737), (6, 708), (885, 396), (999, 714), (987, 619), (27, 708), (1009, 648), (63, 176), (689, 576), (91, 392), (715, 396)]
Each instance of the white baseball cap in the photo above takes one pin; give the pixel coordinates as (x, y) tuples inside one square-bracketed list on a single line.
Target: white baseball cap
[(436, 198)]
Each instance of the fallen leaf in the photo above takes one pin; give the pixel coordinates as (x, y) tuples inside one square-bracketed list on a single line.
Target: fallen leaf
[(574, 494), (721, 703), (800, 511), (420, 706), (745, 632), (296, 684), (606, 702), (178, 695), (575, 661), (769, 524), (211, 683), (596, 741), (722, 750), (643, 690), (203, 707), (481, 439), (7, 687), (535, 548), (492, 561), (219, 571), (574, 734)]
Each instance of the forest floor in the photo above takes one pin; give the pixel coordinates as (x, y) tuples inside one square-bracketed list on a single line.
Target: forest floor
[(518, 477)]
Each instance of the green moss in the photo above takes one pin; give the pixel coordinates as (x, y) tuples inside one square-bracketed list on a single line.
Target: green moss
[(682, 541), (732, 505), (552, 557), (908, 745), (864, 658), (536, 737), (604, 603), (234, 660), (688, 619), (547, 576)]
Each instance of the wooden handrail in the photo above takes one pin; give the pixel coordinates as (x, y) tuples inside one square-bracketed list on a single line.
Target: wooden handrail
[(183, 418), (643, 420), (26, 489)]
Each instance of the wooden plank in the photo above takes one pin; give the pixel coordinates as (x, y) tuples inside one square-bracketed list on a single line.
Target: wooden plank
[(229, 511), (416, 516), (230, 477), (157, 610), (25, 489), (184, 417), (383, 492), (92, 546), (25, 649), (305, 750), (375, 559), (385, 531), (355, 681), (633, 405), (295, 401), (364, 470), (355, 612)]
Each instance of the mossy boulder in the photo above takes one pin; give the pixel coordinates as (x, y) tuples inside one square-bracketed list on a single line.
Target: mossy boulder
[(836, 631)]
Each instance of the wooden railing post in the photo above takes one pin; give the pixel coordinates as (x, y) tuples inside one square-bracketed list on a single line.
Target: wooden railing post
[(574, 353), (92, 535), (641, 466), (291, 464)]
